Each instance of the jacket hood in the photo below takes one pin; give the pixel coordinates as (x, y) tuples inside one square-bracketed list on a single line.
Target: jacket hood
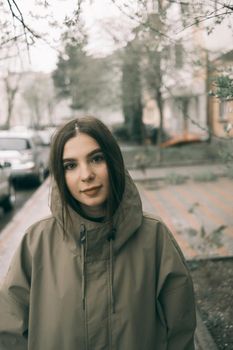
[(126, 220)]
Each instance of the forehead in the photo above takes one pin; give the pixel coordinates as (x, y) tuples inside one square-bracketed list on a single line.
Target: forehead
[(80, 146)]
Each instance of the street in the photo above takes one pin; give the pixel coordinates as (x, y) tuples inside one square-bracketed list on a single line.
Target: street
[(23, 193)]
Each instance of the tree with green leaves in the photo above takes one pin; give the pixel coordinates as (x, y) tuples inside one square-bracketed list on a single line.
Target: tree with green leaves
[(224, 87), (150, 37), (69, 75), (81, 78)]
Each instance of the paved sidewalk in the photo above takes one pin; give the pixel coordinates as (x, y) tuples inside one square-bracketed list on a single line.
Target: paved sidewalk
[(198, 214), (34, 209)]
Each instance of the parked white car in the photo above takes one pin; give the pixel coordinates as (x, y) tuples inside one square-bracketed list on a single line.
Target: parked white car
[(7, 191), (26, 153)]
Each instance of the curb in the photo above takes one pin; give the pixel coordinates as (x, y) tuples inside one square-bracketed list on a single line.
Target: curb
[(187, 172)]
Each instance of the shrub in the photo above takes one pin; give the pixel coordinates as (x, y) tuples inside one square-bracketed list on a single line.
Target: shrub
[(175, 179), (205, 177)]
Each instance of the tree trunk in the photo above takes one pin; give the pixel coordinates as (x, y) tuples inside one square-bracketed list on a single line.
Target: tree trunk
[(11, 94), (160, 131), (208, 102), (185, 103)]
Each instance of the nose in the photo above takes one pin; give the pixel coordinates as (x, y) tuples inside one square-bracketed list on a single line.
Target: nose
[(86, 173)]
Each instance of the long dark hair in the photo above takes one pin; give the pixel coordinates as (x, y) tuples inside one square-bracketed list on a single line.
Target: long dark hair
[(112, 153)]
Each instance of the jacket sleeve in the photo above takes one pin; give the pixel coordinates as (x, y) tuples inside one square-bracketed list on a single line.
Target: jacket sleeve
[(175, 295), (14, 301)]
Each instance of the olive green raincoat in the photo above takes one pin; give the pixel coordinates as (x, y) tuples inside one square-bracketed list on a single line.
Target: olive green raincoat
[(123, 286)]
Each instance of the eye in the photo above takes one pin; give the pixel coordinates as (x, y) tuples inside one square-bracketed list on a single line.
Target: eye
[(97, 158), (69, 165)]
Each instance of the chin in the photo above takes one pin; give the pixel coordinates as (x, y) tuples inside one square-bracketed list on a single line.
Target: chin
[(94, 204)]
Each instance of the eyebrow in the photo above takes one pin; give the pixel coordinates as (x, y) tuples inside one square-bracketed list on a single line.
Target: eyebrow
[(97, 150)]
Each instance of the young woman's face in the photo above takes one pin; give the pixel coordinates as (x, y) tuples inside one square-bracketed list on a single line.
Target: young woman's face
[(86, 174)]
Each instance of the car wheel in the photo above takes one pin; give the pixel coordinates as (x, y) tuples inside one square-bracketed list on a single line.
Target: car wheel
[(41, 175), (9, 202)]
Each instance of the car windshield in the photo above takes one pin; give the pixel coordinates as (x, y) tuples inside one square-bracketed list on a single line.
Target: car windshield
[(13, 144)]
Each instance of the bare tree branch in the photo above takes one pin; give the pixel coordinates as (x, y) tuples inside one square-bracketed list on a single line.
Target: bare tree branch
[(197, 21), (139, 21), (7, 57), (14, 38), (228, 7), (21, 19)]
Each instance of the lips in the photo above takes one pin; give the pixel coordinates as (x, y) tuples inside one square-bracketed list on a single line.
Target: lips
[(92, 190)]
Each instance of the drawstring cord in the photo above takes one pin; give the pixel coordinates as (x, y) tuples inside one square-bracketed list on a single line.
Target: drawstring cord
[(111, 238), (82, 242)]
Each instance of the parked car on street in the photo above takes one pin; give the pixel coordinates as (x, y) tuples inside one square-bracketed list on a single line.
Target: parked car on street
[(182, 139), (7, 190), (26, 153), (173, 140)]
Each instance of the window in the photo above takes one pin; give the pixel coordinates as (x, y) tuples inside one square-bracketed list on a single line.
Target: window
[(225, 110), (14, 144)]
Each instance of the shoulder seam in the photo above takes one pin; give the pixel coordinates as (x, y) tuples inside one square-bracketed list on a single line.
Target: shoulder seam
[(151, 217), (49, 217)]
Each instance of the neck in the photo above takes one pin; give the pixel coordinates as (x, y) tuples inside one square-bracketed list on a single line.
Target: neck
[(94, 212)]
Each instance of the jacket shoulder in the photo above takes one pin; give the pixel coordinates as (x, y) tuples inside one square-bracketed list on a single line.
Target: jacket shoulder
[(155, 225), (150, 217), (43, 229), (41, 224)]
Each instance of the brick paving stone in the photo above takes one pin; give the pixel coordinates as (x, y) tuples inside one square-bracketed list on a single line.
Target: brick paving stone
[(199, 214)]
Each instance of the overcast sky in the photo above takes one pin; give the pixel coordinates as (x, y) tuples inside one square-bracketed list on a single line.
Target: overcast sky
[(101, 18), (95, 13)]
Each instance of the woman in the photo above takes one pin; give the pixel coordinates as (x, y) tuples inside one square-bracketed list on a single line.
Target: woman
[(99, 273)]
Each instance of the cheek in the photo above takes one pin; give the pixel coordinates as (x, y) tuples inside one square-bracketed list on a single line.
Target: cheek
[(107, 184), (105, 175), (70, 182)]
